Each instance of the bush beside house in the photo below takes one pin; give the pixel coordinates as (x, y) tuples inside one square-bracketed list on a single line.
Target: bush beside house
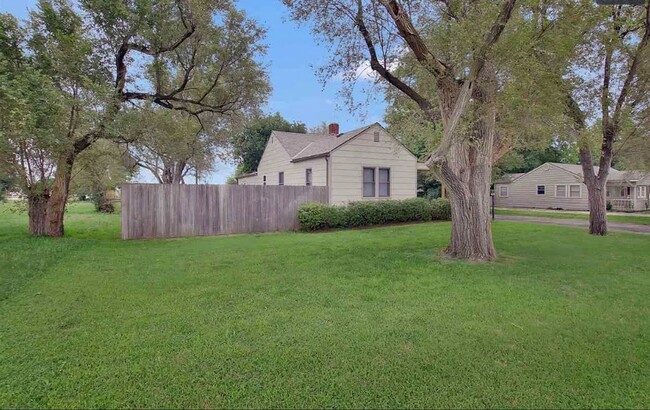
[(317, 216)]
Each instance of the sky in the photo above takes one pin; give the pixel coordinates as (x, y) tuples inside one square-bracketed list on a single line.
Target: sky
[(291, 59)]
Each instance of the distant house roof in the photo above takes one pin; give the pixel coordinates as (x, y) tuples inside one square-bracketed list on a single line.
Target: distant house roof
[(614, 174), (301, 146), (250, 174), (508, 178)]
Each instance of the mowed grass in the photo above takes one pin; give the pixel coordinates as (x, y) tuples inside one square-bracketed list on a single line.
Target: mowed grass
[(642, 218), (360, 318)]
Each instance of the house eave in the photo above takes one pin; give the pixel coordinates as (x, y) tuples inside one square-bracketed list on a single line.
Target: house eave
[(310, 157)]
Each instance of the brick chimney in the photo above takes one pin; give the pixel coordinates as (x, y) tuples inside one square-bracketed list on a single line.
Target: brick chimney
[(333, 129)]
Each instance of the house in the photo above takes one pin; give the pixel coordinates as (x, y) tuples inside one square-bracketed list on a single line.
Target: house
[(560, 186), (362, 164)]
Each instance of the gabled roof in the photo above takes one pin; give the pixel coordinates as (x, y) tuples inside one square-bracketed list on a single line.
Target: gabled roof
[(575, 169), (301, 146), (508, 178), (250, 174), (629, 176)]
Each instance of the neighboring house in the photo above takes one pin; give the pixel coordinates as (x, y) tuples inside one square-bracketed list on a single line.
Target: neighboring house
[(363, 164), (560, 186)]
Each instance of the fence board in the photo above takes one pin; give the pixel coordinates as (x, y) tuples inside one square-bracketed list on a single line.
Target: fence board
[(174, 210)]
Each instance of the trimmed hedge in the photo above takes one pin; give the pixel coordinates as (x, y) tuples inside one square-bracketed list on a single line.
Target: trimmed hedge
[(317, 216)]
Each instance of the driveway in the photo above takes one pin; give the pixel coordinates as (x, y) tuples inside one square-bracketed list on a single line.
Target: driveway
[(612, 226)]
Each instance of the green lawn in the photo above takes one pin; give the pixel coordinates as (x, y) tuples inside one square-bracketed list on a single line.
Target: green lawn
[(642, 218), (360, 318)]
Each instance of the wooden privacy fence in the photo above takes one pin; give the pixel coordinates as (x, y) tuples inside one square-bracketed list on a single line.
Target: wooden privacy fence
[(174, 210)]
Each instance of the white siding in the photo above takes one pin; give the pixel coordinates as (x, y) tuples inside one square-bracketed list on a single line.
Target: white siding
[(348, 161), (249, 180), (275, 160), (522, 193)]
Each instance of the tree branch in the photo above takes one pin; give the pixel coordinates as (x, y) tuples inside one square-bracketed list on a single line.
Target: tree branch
[(424, 104), (625, 89), (413, 38)]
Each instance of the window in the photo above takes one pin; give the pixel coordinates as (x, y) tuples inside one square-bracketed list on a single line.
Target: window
[(503, 191), (264, 180), (641, 192), (541, 189), (281, 178), (560, 191), (575, 191), (376, 136), (308, 177), (384, 182), (368, 182)]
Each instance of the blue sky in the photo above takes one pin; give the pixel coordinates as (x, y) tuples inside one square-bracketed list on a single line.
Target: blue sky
[(291, 58)]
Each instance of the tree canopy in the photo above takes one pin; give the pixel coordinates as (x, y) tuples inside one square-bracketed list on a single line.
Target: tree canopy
[(248, 145)]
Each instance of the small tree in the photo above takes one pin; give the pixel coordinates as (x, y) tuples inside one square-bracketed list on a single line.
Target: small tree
[(248, 145), (615, 100), (172, 145), (99, 169)]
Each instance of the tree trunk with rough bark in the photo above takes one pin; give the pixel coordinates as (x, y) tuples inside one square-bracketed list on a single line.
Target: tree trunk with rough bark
[(471, 230), (467, 172), (59, 195), (597, 184), (172, 173), (596, 191), (37, 212)]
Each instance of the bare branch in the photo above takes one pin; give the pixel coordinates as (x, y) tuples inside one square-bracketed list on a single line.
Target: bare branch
[(424, 104), (413, 38)]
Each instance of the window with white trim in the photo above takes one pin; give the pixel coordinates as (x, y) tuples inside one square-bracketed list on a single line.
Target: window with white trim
[(641, 192), (560, 191), (575, 191), (503, 191), (281, 178), (384, 182), (541, 189), (368, 182), (308, 177)]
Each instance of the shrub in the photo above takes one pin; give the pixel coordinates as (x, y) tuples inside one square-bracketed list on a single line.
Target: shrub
[(441, 209), (102, 204), (317, 216), (609, 206)]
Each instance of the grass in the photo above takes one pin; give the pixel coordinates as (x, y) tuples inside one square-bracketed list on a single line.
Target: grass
[(642, 218), (362, 318)]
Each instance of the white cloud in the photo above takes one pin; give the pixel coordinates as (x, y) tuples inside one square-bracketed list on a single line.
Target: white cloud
[(365, 73)]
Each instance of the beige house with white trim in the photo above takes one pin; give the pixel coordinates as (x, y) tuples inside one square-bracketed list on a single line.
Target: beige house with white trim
[(560, 186), (362, 164)]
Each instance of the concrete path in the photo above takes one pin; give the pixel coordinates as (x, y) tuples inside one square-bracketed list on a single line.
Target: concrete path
[(613, 226)]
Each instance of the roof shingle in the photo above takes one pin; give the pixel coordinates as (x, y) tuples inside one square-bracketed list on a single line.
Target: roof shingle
[(303, 146)]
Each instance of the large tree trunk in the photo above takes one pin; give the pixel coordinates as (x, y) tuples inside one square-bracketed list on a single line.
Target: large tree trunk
[(37, 211), (469, 196), (173, 172), (471, 230), (59, 195), (596, 190), (467, 172)]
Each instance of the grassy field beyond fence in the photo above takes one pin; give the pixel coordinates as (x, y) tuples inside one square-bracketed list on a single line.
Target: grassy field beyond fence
[(361, 318)]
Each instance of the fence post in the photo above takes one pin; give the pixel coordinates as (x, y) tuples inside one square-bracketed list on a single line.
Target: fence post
[(492, 201)]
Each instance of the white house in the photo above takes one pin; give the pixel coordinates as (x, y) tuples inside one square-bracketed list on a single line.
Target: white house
[(362, 164), (560, 186)]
